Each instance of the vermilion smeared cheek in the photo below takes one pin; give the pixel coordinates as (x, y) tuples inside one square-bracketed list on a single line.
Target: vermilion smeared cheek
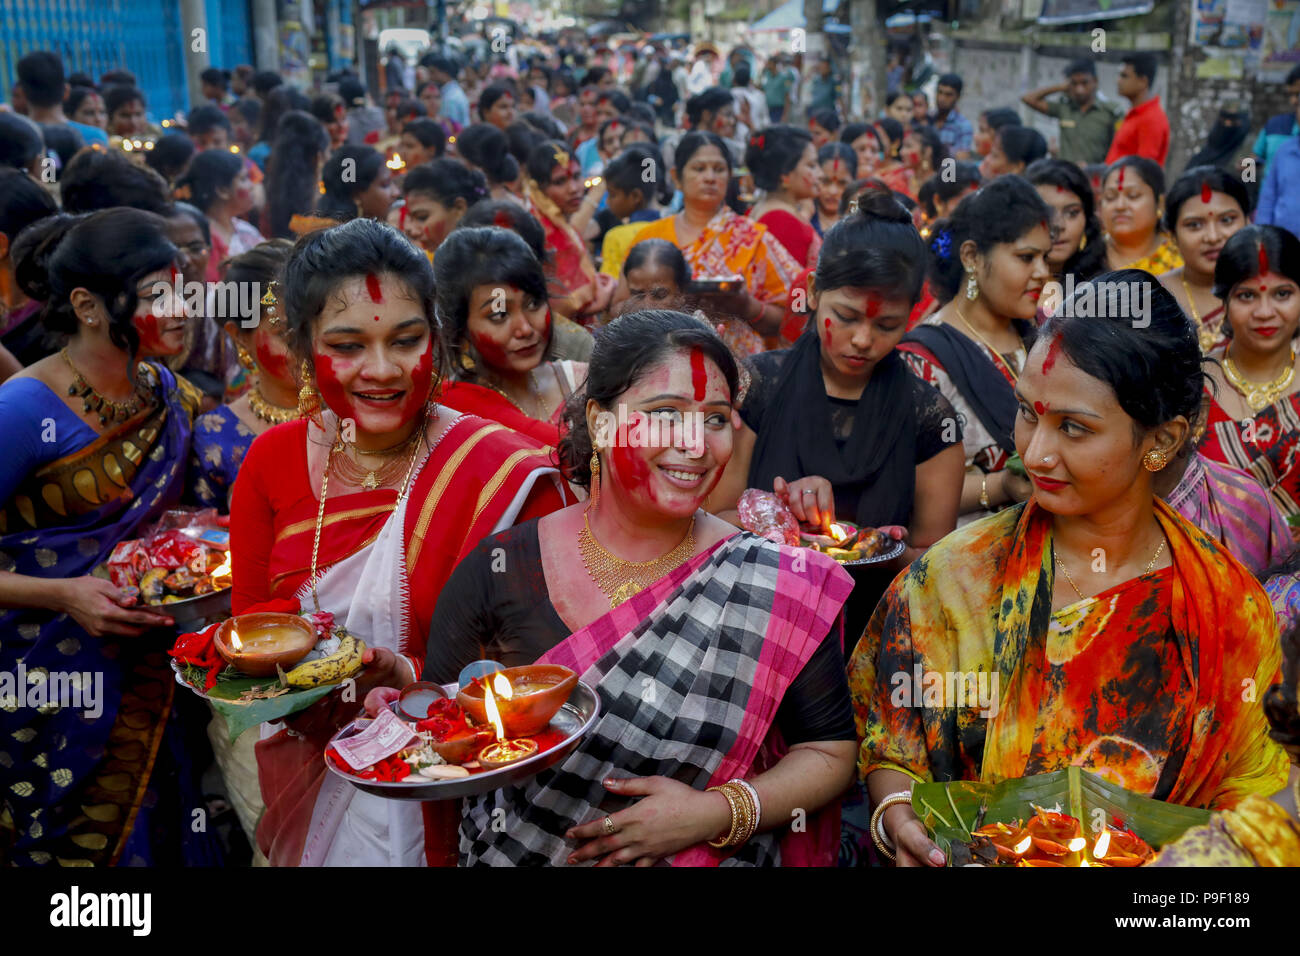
[(421, 380), (146, 326), (633, 469), (273, 362), (492, 353), (873, 308), (331, 388)]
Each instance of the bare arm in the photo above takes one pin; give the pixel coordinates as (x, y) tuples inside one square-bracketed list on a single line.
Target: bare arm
[(1037, 99), (8, 364), (938, 499), (92, 602)]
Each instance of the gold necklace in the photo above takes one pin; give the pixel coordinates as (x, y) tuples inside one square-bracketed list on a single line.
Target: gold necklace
[(619, 579), (997, 356), (1148, 255), (267, 412), (1207, 336), (1259, 395), (532, 391), (354, 473), (107, 409), (324, 492), (1061, 567)]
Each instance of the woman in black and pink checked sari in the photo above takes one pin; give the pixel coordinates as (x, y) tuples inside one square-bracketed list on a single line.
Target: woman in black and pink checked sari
[(716, 653)]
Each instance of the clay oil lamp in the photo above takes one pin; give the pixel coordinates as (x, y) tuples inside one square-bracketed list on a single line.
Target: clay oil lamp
[(506, 750), (1117, 847), (255, 644), (526, 697)]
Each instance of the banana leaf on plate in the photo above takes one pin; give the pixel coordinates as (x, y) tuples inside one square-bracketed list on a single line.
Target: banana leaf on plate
[(227, 697), (950, 811)]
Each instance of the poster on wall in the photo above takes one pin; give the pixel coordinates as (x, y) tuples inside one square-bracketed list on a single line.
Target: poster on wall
[(1264, 33)]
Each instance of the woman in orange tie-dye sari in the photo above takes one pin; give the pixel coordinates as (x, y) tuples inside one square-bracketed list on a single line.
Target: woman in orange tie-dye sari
[(1101, 629)]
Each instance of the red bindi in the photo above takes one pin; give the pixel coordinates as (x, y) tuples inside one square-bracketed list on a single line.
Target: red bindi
[(372, 287), (873, 308), (1206, 192), (1040, 408), (699, 375)]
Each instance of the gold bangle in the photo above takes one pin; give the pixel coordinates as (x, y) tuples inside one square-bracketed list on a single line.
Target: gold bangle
[(735, 817), (750, 812), (877, 829), (984, 491)]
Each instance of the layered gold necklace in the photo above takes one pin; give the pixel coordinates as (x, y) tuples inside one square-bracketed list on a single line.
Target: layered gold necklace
[(618, 579), (997, 356), (358, 475), (271, 414), (1259, 395)]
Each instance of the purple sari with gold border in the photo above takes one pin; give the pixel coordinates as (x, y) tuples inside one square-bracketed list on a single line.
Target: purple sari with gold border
[(75, 777)]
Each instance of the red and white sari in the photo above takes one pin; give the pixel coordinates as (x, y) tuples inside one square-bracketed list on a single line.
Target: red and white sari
[(380, 568)]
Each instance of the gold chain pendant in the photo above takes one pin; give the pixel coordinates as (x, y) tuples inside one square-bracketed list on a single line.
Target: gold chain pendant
[(619, 579), (1258, 395)]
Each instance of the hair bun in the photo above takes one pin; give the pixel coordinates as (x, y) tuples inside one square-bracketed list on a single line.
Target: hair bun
[(881, 204)]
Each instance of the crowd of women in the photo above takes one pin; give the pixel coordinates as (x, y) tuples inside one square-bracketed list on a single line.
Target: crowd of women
[(1073, 399)]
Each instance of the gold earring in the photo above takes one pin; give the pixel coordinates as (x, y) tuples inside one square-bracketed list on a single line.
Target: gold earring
[(972, 287), (308, 397), (466, 360), (1155, 460), (245, 357), (1083, 241), (595, 476)]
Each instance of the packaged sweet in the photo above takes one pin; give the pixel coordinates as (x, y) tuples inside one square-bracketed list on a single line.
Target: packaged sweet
[(765, 514)]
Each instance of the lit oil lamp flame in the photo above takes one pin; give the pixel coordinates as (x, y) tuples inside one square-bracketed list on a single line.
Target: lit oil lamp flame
[(493, 715), (126, 145), (221, 574), (501, 684), (396, 162), (1021, 848), (1102, 845), (236, 644), (1077, 844), (838, 533), (234, 147)]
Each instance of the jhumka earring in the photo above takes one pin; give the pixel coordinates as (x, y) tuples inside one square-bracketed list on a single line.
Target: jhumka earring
[(595, 477), (308, 397), (1154, 460), (245, 357), (972, 287)]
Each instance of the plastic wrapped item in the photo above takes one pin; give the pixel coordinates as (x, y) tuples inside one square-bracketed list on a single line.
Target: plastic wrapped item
[(128, 564), (765, 514)]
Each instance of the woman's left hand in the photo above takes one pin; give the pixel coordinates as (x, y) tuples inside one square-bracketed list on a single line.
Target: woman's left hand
[(671, 817)]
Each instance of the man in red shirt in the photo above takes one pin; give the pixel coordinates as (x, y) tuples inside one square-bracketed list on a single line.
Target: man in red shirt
[(1144, 130)]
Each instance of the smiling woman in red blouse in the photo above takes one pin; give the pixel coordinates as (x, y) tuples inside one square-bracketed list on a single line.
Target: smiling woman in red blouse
[(362, 510)]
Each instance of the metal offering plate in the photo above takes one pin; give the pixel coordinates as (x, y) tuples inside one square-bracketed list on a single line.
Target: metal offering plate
[(195, 613), (887, 555), (574, 719)]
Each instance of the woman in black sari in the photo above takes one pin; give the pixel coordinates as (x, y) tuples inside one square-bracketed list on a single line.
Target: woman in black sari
[(837, 425), (988, 267)]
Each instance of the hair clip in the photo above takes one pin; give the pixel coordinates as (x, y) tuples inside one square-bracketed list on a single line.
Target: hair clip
[(757, 141), (561, 157), (942, 244)]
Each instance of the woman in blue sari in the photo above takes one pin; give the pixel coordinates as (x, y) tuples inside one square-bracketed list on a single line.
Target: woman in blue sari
[(95, 446), (222, 436)]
